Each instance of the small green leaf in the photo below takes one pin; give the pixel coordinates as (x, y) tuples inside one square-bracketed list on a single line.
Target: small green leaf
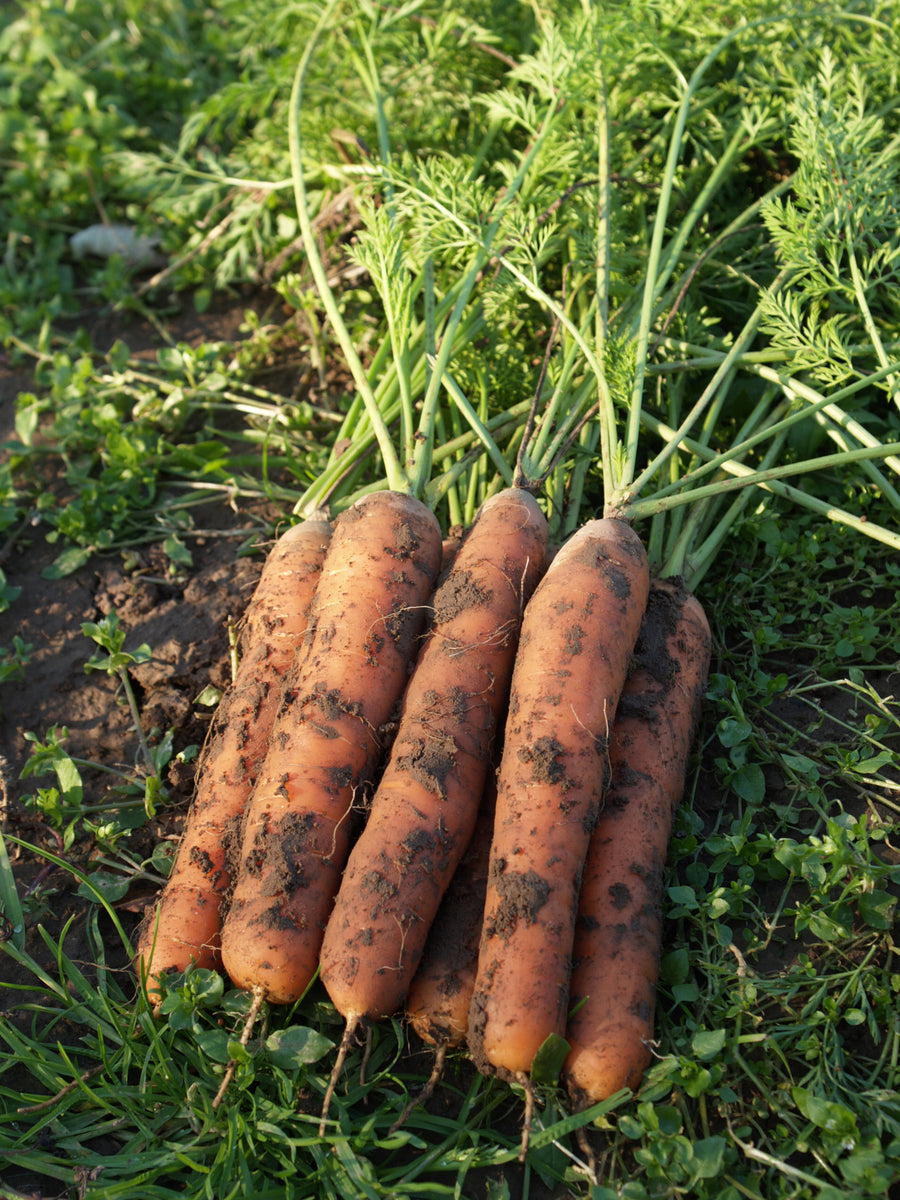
[(163, 857), (8, 593), (707, 1043), (685, 993), (209, 697), (825, 927), (118, 355), (871, 766), (297, 1046), (708, 1158), (732, 732), (237, 1052), (675, 967), (750, 783), (177, 552), (802, 765), (548, 1061), (68, 561), (877, 909), (828, 1115), (214, 1044), (206, 986), (69, 779), (630, 1127), (181, 1018), (110, 887)]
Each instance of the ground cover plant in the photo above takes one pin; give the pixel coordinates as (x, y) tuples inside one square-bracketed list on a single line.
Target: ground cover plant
[(691, 221)]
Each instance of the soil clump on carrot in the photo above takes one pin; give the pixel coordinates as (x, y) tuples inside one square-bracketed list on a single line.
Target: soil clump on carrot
[(522, 896)]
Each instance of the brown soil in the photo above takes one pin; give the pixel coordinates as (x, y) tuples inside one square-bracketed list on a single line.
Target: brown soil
[(184, 618)]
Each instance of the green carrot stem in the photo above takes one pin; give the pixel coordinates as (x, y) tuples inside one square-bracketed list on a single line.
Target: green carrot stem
[(743, 340), (830, 406), (771, 479), (692, 556), (478, 428), (397, 478), (655, 269), (742, 476), (883, 484)]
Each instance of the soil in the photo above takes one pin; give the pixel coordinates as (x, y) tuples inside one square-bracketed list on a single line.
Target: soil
[(184, 618)]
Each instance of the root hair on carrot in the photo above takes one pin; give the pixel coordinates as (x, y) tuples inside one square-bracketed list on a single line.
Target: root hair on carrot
[(404, 930), (348, 811), (499, 637), (367, 1054), (590, 1158)]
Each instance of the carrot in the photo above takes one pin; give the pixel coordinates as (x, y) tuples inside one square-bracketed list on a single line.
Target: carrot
[(365, 623), (185, 926), (424, 810), (617, 941), (437, 1003), (577, 637)]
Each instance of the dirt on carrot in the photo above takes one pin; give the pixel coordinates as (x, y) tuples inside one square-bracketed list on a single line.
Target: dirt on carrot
[(521, 898)]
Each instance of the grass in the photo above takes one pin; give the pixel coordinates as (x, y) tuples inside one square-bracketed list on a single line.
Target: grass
[(683, 221)]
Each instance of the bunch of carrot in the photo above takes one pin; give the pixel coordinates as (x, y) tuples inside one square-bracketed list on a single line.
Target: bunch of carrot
[(471, 766), (449, 790)]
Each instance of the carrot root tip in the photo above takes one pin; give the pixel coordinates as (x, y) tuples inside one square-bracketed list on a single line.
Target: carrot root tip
[(423, 1096), (590, 1158), (349, 1033), (252, 1014), (528, 1115)]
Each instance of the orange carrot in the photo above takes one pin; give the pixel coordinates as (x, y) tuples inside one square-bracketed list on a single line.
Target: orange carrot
[(617, 940), (437, 1003), (577, 637), (424, 810), (185, 927), (365, 623)]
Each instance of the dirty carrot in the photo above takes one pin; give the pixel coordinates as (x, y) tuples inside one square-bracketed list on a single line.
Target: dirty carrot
[(365, 625), (577, 637), (437, 1004), (185, 927), (424, 810), (617, 940)]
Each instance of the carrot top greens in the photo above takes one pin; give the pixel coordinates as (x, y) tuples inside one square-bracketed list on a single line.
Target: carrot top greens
[(682, 424)]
